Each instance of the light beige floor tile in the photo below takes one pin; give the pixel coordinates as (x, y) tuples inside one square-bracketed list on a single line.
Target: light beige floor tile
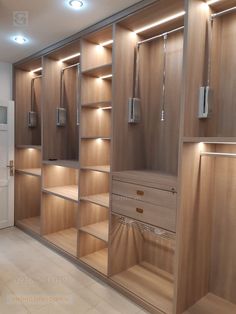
[(118, 301), (9, 304), (37, 280)]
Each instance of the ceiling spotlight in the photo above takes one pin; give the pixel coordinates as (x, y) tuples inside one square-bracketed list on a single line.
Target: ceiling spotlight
[(76, 4), (20, 39)]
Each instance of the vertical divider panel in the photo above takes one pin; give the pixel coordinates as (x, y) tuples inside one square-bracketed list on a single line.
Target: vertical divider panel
[(193, 227)]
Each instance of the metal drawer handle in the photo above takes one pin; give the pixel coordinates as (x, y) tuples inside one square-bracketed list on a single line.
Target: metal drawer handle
[(139, 210), (141, 193)]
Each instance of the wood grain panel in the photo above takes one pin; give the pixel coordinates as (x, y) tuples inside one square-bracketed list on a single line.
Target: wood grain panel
[(27, 204), (27, 158), (127, 149), (91, 213), (59, 142), (193, 227), (93, 182), (94, 152), (57, 214), (223, 67), (94, 55), (95, 90), (24, 134), (161, 137), (59, 176), (223, 259), (95, 122), (89, 244), (194, 49)]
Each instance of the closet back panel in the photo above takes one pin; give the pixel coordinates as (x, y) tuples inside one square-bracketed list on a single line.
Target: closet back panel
[(161, 137), (223, 82), (128, 150), (24, 134), (223, 270), (59, 142), (27, 205)]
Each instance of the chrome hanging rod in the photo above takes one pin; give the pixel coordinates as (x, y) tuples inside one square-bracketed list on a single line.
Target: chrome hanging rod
[(214, 15), (213, 154), (159, 36), (70, 66)]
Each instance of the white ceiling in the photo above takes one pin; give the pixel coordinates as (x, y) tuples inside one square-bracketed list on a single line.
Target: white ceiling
[(49, 21)]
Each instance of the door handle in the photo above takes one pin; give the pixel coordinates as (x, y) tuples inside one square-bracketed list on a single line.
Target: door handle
[(11, 168)]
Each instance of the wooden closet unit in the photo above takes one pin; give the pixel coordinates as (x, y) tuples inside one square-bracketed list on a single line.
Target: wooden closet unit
[(144, 202)]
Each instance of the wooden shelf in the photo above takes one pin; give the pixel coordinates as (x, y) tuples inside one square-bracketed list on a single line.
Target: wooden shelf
[(29, 146), (103, 70), (98, 230), (99, 199), (220, 140), (96, 138), (32, 172), (155, 287), (97, 168), (63, 163), (32, 224), (212, 304), (99, 104), (97, 260), (64, 239), (69, 192)]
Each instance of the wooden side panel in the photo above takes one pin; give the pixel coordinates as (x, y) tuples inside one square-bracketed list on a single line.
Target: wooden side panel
[(223, 262), (195, 67), (27, 196), (194, 227), (128, 152), (57, 214)]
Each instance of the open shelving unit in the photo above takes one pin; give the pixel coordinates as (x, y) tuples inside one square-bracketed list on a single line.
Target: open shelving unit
[(148, 207), (59, 222)]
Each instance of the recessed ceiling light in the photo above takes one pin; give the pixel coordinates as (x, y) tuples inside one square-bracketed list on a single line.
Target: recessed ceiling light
[(20, 39), (76, 4)]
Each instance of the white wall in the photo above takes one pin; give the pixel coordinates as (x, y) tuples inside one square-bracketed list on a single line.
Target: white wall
[(5, 81)]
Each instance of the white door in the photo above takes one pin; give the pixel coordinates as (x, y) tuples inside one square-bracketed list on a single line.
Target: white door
[(6, 163)]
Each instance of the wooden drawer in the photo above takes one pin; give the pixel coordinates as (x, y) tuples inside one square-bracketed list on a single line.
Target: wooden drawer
[(145, 194), (160, 216)]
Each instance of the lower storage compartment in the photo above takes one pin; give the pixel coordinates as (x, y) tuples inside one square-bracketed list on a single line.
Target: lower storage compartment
[(27, 205), (93, 252), (59, 222), (142, 261)]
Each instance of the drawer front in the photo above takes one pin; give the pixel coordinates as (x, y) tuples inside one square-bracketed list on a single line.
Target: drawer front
[(159, 216), (145, 194)]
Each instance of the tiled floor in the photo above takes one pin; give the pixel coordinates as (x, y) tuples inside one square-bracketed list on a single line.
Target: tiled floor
[(34, 279)]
